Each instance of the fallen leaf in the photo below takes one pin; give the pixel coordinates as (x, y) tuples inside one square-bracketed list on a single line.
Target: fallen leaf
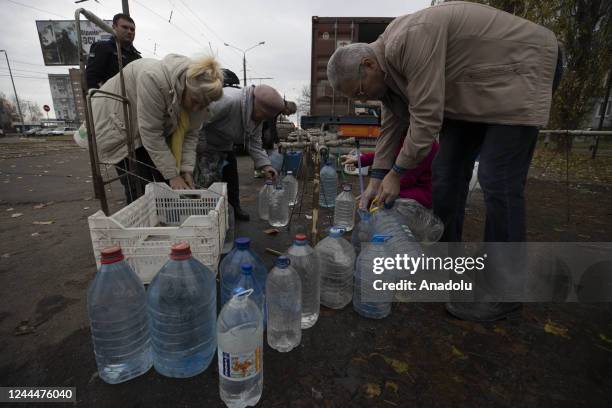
[(556, 329), (372, 390), (308, 217), (604, 338), (10, 209), (43, 222), (400, 367), (87, 199), (19, 177), (7, 255), (45, 171), (390, 385), (499, 330), (39, 206), (584, 236), (271, 231), (35, 234), (559, 229), (16, 215), (49, 203), (458, 353), (86, 208)]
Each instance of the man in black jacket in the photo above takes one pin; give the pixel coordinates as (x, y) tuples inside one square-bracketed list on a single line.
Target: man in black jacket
[(102, 63)]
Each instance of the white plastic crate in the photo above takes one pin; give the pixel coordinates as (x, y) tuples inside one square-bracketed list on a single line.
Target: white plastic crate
[(147, 228)]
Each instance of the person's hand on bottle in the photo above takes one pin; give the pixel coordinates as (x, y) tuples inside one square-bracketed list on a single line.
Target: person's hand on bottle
[(178, 183), (269, 172), (370, 192), (188, 177)]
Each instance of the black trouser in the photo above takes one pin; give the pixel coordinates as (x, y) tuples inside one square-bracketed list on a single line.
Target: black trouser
[(230, 176), (505, 156), (142, 172)]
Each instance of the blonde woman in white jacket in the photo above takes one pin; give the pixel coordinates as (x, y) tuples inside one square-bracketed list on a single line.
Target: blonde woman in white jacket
[(169, 100)]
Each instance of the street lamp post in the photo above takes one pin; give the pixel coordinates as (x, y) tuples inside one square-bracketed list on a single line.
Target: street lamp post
[(14, 90), (244, 56)]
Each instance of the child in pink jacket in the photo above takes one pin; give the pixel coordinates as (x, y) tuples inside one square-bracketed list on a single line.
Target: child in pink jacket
[(415, 183)]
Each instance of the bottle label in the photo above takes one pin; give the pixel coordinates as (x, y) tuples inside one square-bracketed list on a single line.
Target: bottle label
[(240, 366)]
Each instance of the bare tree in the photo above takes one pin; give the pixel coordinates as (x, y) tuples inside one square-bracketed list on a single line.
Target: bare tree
[(304, 101)]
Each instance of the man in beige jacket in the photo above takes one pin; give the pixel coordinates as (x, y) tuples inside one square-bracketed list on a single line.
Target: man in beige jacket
[(480, 78)]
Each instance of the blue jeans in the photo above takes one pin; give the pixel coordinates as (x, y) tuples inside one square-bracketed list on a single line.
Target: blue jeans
[(505, 155)]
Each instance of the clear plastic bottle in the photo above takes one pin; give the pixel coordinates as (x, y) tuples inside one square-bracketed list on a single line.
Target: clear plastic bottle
[(182, 304), (240, 351), (276, 160), (284, 301), (344, 212), (290, 184), (387, 221), (116, 304), (248, 281), (230, 268), (329, 186), (279, 207), (422, 222), (364, 292), (337, 263), (304, 261), (363, 231), (263, 200)]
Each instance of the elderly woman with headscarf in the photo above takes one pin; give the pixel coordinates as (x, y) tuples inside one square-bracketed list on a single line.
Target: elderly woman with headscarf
[(236, 118), (169, 100)]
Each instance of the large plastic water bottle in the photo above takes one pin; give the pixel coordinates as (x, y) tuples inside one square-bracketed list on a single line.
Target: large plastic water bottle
[(284, 301), (337, 263), (182, 304), (364, 279), (240, 351), (263, 200), (422, 222), (248, 281), (230, 270), (363, 231), (290, 184), (344, 213), (329, 186), (279, 207), (276, 160), (387, 221), (116, 304), (304, 261)]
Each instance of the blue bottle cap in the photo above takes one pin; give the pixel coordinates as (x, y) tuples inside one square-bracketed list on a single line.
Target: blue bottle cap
[(247, 269), (237, 291), (336, 232), (380, 238), (282, 262), (364, 214), (242, 242)]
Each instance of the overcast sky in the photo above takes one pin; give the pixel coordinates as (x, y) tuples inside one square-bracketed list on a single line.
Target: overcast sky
[(285, 26)]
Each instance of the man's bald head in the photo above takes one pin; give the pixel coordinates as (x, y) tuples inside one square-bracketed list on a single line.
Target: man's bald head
[(268, 102)]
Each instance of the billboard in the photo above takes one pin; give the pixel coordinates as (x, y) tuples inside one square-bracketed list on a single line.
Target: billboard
[(63, 97), (58, 40)]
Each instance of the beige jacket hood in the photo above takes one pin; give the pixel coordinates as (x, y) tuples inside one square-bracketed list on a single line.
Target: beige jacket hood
[(462, 61)]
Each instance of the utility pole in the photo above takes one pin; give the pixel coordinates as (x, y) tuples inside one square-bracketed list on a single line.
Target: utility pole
[(15, 90), (244, 57), (125, 6)]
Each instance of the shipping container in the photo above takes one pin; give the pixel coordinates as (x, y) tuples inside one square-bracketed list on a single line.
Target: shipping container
[(347, 116)]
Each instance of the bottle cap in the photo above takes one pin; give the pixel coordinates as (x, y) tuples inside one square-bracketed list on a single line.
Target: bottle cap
[(180, 251), (300, 239), (380, 238), (242, 242), (289, 172), (347, 187), (282, 262), (246, 269), (111, 255), (336, 231)]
